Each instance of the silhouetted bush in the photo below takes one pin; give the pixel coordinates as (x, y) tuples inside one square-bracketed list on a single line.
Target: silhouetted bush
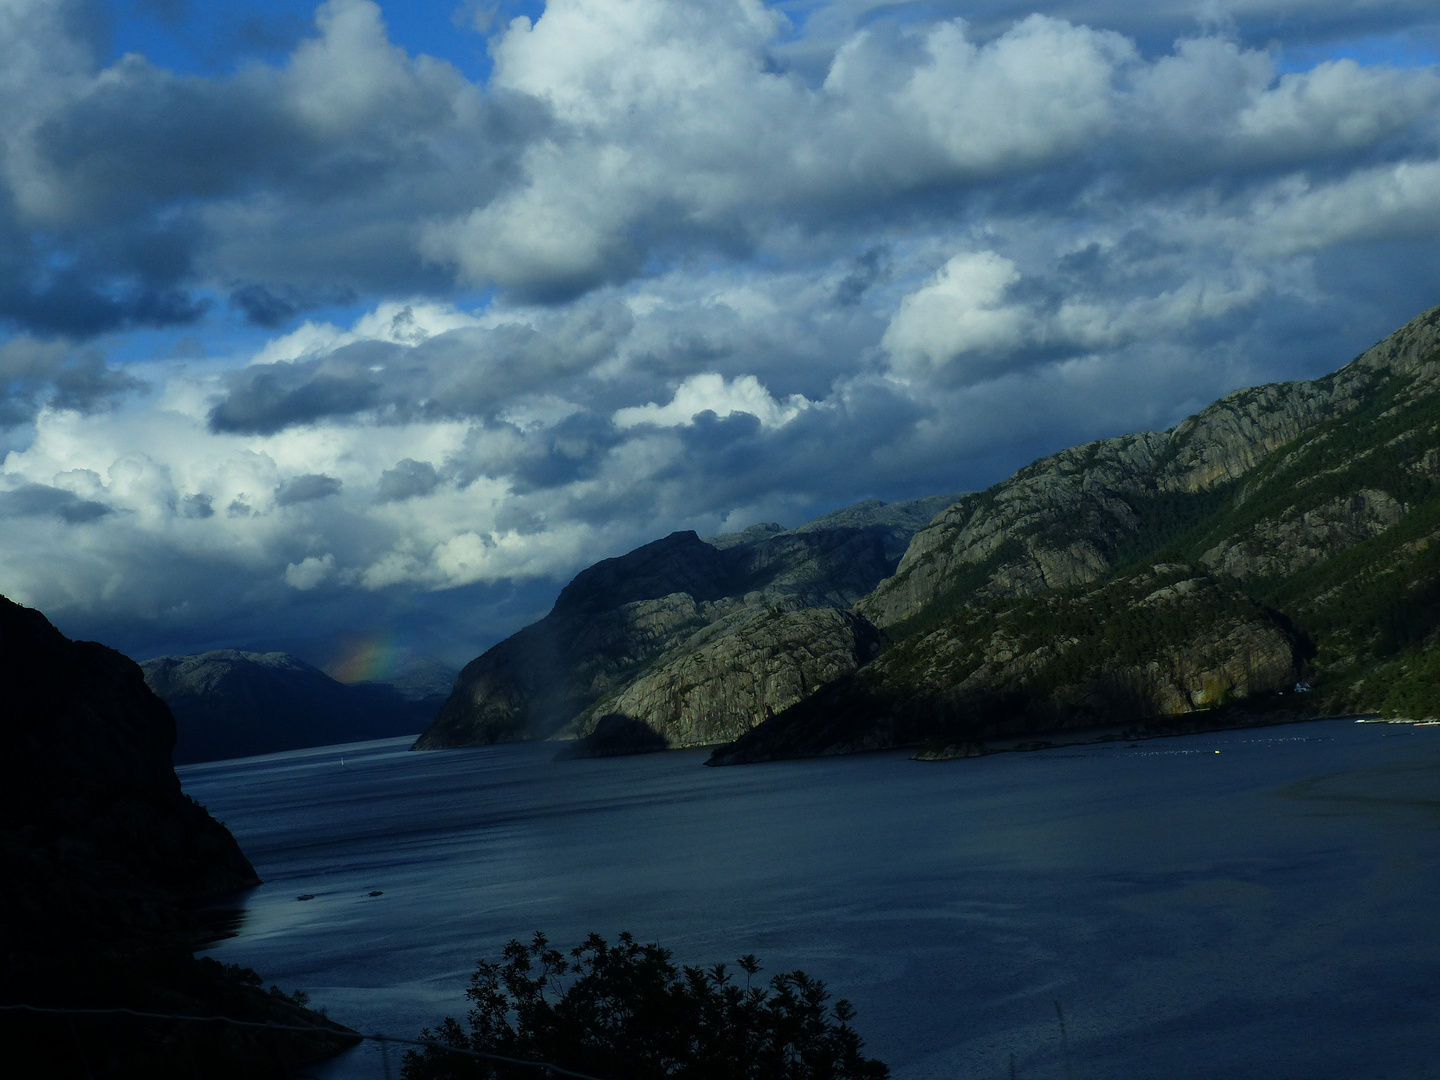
[(625, 1012)]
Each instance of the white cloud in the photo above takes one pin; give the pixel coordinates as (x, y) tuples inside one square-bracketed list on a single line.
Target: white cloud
[(918, 253), (394, 322), (310, 572), (962, 310), (1042, 89), (1339, 105), (712, 393), (349, 74), (1388, 202)]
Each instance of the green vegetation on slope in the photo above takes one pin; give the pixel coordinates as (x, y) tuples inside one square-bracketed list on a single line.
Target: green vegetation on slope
[(1297, 525)]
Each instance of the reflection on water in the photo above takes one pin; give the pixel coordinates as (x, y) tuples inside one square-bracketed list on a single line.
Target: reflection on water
[(216, 924), (1265, 910)]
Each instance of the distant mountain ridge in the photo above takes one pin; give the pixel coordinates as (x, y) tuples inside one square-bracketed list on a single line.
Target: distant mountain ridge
[(1286, 530), (230, 703)]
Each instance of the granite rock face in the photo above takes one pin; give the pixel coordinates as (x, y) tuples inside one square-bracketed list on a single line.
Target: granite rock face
[(1164, 641), (1314, 503), (1296, 539), (646, 623), (719, 683), (229, 703), (1074, 516)]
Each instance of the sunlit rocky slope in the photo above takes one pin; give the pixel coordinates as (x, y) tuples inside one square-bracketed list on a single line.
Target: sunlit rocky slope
[(1286, 531), (698, 640)]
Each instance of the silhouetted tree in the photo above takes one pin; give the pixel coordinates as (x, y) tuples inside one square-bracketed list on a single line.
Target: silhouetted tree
[(625, 1012)]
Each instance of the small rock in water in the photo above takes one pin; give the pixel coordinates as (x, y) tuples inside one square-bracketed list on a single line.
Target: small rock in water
[(306, 896)]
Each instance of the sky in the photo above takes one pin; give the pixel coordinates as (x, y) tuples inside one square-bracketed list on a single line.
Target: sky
[(324, 327)]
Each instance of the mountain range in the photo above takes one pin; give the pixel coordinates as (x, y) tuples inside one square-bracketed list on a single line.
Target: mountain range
[(230, 703), (1285, 538)]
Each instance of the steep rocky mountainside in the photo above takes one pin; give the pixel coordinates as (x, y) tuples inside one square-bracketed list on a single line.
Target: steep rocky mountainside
[(1287, 531), (1314, 502), (1162, 640), (229, 703), (698, 639), (93, 818), (896, 522), (102, 856), (1075, 516)]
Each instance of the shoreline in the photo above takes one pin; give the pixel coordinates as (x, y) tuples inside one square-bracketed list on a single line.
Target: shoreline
[(1160, 728)]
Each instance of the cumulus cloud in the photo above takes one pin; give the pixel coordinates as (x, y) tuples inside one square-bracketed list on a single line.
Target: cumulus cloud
[(662, 267), (310, 572), (1400, 201), (411, 363), (962, 310), (711, 393), (610, 138)]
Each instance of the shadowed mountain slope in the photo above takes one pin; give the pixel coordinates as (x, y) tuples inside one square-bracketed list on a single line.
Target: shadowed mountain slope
[(102, 857), (88, 794), (229, 703)]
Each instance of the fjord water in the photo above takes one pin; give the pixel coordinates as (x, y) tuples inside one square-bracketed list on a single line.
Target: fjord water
[(1267, 910)]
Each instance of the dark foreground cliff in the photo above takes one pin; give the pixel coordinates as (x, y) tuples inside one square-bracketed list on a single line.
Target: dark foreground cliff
[(103, 859)]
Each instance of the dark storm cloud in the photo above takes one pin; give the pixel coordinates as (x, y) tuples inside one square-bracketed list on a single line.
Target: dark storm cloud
[(278, 396), (197, 507), (819, 454), (406, 480), (109, 278), (38, 373), (241, 168), (41, 500), (572, 450), (866, 271), (306, 488), (265, 307), (270, 307), (354, 166), (459, 373)]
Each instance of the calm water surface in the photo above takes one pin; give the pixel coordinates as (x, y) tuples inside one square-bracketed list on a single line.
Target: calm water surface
[(1271, 910)]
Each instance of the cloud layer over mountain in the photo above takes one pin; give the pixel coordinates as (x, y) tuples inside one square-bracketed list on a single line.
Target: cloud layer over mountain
[(353, 339)]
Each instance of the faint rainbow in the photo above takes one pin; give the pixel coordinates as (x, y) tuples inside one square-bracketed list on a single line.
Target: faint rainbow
[(367, 658)]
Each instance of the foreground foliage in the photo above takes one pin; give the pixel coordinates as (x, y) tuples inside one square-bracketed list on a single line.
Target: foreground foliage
[(625, 1012)]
